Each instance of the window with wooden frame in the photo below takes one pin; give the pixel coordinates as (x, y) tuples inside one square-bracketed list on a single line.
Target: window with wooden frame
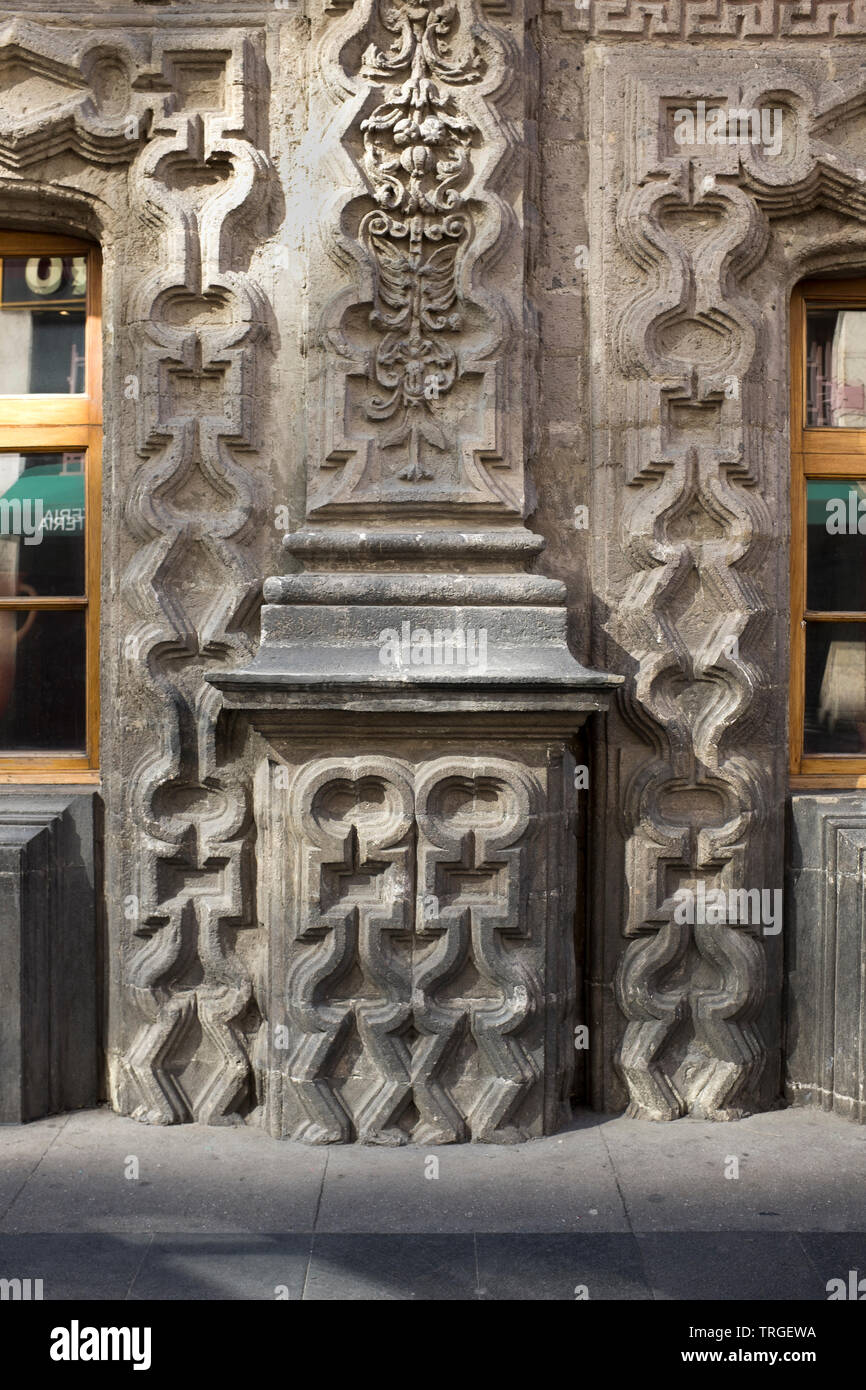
[(828, 536), (50, 466)]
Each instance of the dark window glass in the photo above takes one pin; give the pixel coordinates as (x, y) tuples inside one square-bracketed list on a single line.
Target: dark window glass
[(836, 545), (42, 318), (42, 681), (835, 713)]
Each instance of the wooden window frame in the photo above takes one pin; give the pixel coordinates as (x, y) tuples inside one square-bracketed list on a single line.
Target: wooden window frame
[(46, 422), (816, 452)]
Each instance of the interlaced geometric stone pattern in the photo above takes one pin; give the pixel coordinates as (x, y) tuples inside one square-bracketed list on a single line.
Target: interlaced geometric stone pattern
[(409, 998)]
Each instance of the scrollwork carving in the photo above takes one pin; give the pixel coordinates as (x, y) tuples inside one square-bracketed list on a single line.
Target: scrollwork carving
[(419, 357), (417, 154)]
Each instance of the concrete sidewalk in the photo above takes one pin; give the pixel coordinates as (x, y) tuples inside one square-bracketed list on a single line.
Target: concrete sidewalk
[(628, 1209)]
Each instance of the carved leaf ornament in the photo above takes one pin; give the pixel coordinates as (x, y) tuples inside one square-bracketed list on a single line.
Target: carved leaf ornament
[(416, 157)]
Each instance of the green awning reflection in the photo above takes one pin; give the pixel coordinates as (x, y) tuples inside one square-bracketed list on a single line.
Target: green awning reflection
[(820, 493), (61, 496)]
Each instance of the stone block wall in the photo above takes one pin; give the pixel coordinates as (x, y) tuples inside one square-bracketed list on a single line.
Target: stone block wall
[(434, 293)]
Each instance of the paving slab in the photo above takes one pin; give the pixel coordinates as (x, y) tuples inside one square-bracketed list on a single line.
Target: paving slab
[(226, 1266), (562, 1183), (723, 1265), (798, 1170), (74, 1266), (561, 1265), (383, 1267), (189, 1178), (838, 1255), (22, 1148), (230, 1212)]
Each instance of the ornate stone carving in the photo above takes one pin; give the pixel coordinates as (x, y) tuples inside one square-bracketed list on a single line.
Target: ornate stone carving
[(68, 92), (755, 20), (160, 131), (200, 167), (422, 962), (354, 900), (156, 140), (474, 886), (692, 617), (420, 362), (416, 156), (412, 976)]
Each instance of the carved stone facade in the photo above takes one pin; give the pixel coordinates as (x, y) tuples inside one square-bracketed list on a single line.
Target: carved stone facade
[(694, 262), (434, 291)]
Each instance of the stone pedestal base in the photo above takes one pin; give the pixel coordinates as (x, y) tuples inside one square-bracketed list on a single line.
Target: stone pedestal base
[(419, 894), (416, 853)]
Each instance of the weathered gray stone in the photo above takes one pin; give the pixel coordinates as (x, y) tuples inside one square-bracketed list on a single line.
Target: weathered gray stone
[(50, 964), (692, 254), (418, 895), (826, 960), (421, 977), (418, 338), (395, 649)]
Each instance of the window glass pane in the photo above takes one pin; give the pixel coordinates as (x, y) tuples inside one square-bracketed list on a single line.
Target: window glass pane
[(42, 524), (836, 367), (836, 545), (42, 681), (42, 318), (835, 714)]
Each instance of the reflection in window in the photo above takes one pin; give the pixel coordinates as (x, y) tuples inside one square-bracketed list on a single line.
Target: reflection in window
[(836, 545), (42, 654), (42, 516), (835, 712), (43, 680), (50, 436), (43, 309), (836, 368)]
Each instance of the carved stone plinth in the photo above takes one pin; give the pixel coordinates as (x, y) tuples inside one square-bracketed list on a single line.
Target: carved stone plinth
[(417, 882), (416, 850)]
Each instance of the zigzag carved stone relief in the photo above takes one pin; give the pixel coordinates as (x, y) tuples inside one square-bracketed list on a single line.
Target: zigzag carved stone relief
[(414, 996), (200, 167), (151, 142), (421, 969), (411, 942), (691, 597)]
